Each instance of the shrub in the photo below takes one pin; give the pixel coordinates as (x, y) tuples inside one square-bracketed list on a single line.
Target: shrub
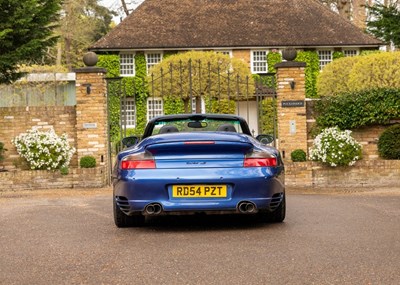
[(44, 150), (334, 80), (87, 161), (64, 170), (358, 109), (335, 148), (353, 74), (298, 155), (389, 143)]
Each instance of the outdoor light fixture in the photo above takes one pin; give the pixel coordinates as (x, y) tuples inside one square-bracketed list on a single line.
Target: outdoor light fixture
[(292, 84), (88, 89)]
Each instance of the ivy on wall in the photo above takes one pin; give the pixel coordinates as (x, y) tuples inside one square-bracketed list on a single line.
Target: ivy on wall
[(131, 86), (311, 71)]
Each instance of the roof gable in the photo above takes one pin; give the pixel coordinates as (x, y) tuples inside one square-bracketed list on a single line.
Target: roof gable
[(190, 24)]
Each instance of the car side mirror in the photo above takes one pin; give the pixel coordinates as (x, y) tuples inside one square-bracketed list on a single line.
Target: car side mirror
[(265, 139), (129, 141)]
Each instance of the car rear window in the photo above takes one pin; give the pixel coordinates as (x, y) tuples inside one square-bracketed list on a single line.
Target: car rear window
[(188, 125)]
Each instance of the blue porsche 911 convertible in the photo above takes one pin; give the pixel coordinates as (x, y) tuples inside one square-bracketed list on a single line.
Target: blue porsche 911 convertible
[(198, 163)]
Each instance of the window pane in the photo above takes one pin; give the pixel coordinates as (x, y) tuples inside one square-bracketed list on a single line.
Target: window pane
[(259, 62), (127, 64), (350, 52), (128, 112), (154, 108), (325, 57), (152, 59)]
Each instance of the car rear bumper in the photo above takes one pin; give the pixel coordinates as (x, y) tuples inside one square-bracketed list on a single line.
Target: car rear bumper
[(261, 187)]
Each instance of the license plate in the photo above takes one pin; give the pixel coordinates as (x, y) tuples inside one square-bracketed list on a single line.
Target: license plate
[(199, 191)]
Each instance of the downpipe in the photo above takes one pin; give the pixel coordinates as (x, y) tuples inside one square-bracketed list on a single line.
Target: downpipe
[(247, 207), (153, 209)]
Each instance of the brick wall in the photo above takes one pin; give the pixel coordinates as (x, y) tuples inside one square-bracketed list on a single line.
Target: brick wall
[(365, 173), (17, 120), (86, 127), (242, 54), (42, 179)]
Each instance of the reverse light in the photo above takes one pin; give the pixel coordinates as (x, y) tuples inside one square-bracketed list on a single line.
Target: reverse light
[(138, 161), (260, 159)]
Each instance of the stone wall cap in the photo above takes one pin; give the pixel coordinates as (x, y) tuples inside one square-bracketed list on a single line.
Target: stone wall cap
[(90, 69), (290, 64)]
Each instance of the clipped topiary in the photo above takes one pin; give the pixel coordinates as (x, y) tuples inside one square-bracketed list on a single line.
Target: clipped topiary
[(87, 161), (389, 143), (298, 155)]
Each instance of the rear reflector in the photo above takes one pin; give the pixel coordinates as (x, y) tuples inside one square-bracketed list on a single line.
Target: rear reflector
[(138, 164), (260, 162)]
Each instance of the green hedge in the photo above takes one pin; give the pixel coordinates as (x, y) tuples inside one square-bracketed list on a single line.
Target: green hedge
[(358, 109)]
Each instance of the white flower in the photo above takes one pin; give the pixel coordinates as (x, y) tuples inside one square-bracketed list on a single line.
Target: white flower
[(44, 150), (335, 147)]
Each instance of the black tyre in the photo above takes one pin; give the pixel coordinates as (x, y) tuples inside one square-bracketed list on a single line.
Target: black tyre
[(279, 214), (123, 221)]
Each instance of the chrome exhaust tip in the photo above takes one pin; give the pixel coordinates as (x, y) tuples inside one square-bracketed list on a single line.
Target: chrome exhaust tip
[(153, 209), (247, 207)]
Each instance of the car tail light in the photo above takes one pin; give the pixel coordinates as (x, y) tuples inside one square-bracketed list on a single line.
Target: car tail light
[(259, 159), (138, 161)]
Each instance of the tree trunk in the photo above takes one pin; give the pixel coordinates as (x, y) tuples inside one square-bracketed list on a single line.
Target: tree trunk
[(125, 7), (68, 52)]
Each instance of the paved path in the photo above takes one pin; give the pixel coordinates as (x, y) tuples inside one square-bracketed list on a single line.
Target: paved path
[(68, 237)]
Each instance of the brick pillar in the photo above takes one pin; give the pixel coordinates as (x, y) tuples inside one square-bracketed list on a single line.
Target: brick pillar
[(91, 115), (292, 125)]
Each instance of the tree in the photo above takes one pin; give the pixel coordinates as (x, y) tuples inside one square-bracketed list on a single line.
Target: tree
[(128, 6), (195, 75), (353, 10), (384, 22), (26, 31), (81, 24)]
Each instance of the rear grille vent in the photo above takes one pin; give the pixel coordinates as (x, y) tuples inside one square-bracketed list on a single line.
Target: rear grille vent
[(275, 201), (123, 203)]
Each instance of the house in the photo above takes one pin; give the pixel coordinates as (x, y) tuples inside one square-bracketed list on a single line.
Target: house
[(247, 29)]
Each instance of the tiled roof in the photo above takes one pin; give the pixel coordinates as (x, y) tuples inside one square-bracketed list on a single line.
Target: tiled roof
[(186, 24)]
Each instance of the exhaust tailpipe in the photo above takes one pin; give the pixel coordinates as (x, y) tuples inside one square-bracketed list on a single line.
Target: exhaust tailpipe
[(153, 209), (247, 207)]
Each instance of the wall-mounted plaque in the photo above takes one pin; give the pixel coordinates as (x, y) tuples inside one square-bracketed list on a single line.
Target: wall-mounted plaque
[(90, 125), (294, 103)]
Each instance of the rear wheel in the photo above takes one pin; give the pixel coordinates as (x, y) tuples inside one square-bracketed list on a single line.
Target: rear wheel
[(123, 221)]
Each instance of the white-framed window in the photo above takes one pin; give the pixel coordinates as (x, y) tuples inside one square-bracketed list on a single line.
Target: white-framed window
[(154, 108), (152, 59), (224, 51), (325, 57), (202, 105), (127, 64), (128, 112), (350, 52), (259, 61)]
